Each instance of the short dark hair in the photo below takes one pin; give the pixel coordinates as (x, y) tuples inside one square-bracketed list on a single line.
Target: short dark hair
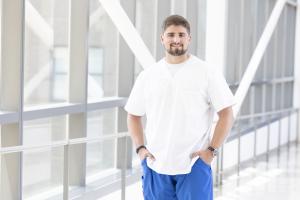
[(176, 20)]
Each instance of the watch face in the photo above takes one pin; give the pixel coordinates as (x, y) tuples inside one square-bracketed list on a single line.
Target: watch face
[(213, 150)]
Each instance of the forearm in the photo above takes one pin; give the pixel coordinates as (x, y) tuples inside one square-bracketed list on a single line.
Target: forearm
[(223, 127), (135, 129)]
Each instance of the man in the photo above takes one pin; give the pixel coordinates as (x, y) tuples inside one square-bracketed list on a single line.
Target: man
[(179, 95)]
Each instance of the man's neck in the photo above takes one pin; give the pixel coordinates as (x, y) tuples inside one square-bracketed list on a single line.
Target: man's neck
[(176, 59)]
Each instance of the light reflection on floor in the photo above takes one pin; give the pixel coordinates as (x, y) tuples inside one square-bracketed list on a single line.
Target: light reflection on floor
[(279, 179)]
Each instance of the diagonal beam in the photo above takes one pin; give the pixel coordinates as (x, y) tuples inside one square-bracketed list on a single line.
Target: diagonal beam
[(96, 15), (36, 80), (128, 31), (257, 55), (38, 24)]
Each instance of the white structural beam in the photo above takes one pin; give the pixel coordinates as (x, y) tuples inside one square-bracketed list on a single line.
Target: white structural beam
[(216, 33), (125, 79), (94, 17), (257, 55), (8, 118), (11, 184), (296, 99), (11, 58), (75, 155), (11, 95), (215, 40), (78, 52), (128, 31)]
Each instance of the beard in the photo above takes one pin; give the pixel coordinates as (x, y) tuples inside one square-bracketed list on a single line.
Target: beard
[(176, 51)]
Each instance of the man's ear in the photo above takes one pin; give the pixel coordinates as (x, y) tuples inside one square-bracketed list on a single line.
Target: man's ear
[(161, 38)]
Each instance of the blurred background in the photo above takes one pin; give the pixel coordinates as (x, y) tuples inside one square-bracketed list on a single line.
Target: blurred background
[(67, 68)]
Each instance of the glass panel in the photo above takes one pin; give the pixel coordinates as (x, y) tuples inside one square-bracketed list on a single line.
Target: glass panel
[(44, 131), (102, 122), (101, 155), (60, 76), (46, 44), (95, 78), (43, 169), (43, 174), (103, 54)]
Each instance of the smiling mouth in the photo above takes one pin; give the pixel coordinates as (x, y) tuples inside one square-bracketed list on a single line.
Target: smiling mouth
[(179, 45)]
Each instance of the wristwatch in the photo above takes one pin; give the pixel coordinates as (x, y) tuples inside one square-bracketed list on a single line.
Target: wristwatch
[(213, 150), (139, 148)]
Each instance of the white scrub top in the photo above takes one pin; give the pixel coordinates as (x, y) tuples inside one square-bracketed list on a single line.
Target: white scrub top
[(179, 107)]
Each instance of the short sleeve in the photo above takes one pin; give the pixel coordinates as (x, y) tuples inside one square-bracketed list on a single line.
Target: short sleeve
[(136, 102), (218, 90)]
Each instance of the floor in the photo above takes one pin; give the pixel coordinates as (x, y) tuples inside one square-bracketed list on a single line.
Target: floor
[(277, 179)]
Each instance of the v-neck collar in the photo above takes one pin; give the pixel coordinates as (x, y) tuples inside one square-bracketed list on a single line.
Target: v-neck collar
[(166, 64)]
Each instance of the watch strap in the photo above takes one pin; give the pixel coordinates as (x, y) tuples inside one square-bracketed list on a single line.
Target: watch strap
[(213, 150), (139, 148)]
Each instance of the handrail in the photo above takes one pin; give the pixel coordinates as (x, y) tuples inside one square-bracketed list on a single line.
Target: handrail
[(21, 148), (244, 117), (239, 131), (291, 3), (257, 55), (58, 109), (265, 81)]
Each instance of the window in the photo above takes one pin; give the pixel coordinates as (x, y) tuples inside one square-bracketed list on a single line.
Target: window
[(46, 27), (103, 54)]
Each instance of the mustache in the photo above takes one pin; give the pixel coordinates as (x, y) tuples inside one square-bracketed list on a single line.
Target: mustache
[(174, 44)]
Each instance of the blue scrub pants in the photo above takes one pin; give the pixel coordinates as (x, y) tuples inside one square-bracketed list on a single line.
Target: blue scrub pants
[(197, 185)]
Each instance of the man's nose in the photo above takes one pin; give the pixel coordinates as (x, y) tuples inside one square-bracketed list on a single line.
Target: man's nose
[(176, 39)]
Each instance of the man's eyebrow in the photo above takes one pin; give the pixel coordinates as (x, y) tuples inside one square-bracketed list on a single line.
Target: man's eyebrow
[(175, 33)]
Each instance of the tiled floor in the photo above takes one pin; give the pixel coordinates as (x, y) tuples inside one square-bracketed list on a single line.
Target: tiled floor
[(279, 179)]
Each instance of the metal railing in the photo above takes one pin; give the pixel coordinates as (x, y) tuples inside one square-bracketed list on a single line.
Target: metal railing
[(268, 119), (66, 146)]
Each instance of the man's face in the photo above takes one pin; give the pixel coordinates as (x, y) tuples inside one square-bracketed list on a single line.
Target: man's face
[(176, 40)]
